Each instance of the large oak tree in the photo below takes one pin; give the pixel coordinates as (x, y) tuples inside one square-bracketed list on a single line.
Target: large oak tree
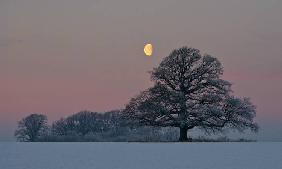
[(189, 93)]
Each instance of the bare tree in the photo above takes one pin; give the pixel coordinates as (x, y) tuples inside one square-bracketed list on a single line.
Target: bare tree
[(189, 93), (60, 128), (81, 123), (31, 127)]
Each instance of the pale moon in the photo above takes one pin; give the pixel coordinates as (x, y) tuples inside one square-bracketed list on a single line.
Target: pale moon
[(148, 49)]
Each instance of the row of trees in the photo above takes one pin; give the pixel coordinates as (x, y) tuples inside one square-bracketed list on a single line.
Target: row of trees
[(188, 93), (89, 126), (86, 122)]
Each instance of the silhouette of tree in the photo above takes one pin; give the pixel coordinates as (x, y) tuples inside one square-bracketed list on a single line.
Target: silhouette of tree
[(189, 93), (60, 127), (85, 122), (31, 127)]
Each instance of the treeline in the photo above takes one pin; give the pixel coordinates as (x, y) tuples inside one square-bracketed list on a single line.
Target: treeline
[(87, 126), (108, 126)]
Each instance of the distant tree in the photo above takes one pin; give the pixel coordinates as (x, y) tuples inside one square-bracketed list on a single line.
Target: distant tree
[(60, 128), (112, 120), (189, 93), (80, 123), (83, 122), (31, 127)]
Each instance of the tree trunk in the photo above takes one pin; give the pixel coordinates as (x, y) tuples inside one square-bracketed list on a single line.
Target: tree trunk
[(183, 135)]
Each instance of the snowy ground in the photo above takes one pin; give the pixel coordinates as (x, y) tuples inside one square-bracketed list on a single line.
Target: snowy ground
[(141, 155)]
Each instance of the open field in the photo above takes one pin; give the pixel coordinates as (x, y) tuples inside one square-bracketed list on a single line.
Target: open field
[(253, 155)]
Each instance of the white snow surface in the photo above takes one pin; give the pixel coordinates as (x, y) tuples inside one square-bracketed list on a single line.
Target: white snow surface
[(253, 155)]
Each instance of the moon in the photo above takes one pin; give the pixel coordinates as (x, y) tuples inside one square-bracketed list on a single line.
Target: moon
[(148, 49)]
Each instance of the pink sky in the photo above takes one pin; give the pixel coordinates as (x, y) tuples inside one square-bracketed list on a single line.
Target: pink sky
[(58, 57)]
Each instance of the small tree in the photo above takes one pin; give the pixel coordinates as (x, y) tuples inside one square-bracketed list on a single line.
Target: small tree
[(189, 93), (31, 127)]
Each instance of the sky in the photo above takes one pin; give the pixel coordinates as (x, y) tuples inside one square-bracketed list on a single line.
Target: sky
[(58, 57)]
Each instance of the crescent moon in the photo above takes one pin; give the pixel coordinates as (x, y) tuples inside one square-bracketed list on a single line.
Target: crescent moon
[(148, 49)]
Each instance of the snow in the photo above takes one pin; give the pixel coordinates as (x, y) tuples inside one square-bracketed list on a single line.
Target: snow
[(253, 155)]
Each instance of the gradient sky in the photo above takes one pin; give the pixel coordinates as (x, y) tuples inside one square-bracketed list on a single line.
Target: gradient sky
[(58, 57)]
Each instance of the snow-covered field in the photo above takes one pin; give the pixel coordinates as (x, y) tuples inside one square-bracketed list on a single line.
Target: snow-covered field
[(261, 155)]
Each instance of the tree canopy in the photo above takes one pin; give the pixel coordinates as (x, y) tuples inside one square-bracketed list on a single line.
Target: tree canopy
[(31, 127)]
